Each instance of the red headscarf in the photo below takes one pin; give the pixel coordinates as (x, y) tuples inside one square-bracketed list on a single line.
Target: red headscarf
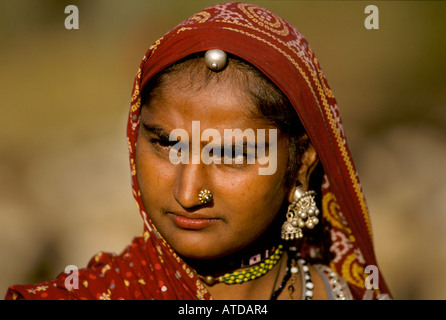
[(149, 268)]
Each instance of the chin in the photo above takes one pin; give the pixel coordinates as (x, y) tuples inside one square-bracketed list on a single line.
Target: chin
[(199, 254), (199, 249)]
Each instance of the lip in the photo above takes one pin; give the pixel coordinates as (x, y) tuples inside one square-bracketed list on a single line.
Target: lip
[(191, 222)]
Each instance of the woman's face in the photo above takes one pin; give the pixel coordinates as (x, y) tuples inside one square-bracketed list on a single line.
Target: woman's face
[(244, 202)]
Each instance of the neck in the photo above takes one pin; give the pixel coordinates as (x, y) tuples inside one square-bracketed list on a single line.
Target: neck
[(242, 258), (258, 289)]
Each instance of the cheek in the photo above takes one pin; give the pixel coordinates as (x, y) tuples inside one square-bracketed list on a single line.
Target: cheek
[(153, 175), (256, 190), (253, 208), (253, 200)]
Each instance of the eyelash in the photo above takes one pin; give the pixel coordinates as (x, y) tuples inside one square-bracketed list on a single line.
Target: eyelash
[(162, 144), (166, 145), (233, 156)]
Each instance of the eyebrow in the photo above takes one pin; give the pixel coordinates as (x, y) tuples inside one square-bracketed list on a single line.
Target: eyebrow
[(157, 130)]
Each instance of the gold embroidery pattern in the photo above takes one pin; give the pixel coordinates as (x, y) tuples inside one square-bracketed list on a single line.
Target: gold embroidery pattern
[(329, 209), (264, 19), (201, 290), (135, 95), (330, 212), (200, 17), (352, 271), (351, 268)]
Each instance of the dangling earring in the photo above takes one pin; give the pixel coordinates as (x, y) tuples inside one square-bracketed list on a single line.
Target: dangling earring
[(301, 213)]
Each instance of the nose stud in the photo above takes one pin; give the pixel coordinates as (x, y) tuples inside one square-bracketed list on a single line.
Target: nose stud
[(205, 196), (215, 59)]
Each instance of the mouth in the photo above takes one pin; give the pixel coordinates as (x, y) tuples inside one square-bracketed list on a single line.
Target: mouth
[(191, 221)]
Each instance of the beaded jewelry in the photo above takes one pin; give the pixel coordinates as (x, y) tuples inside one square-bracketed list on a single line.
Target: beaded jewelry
[(295, 266), (252, 273)]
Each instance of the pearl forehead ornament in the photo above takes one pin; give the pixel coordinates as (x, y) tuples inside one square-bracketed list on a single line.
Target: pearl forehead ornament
[(215, 59)]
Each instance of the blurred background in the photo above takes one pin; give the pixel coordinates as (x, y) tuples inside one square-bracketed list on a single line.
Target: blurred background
[(64, 96)]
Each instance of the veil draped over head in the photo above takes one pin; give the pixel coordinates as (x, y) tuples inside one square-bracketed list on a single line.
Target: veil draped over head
[(149, 268)]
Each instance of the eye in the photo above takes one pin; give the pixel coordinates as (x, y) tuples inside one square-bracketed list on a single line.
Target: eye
[(162, 144), (234, 155), (239, 158), (157, 137)]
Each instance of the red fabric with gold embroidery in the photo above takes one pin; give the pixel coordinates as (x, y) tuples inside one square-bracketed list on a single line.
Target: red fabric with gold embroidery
[(149, 269)]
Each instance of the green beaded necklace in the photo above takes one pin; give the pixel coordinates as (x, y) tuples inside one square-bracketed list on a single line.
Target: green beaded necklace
[(248, 274)]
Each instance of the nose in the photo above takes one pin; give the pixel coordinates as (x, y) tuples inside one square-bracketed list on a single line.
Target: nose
[(190, 180)]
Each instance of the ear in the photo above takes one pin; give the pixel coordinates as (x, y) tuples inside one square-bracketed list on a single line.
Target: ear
[(309, 161)]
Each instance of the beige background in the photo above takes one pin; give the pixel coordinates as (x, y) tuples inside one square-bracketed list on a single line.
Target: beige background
[(64, 178)]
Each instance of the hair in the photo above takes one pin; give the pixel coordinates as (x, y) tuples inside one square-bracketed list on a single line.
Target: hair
[(265, 95)]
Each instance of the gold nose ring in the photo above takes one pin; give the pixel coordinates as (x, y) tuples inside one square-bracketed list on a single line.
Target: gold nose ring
[(205, 196)]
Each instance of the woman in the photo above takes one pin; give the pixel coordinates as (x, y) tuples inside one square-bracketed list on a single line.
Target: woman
[(241, 172)]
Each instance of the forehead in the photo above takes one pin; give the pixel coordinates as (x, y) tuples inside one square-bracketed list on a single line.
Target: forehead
[(220, 105), (190, 91)]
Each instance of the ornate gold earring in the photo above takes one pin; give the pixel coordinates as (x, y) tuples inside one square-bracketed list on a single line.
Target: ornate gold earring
[(205, 196), (301, 213)]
